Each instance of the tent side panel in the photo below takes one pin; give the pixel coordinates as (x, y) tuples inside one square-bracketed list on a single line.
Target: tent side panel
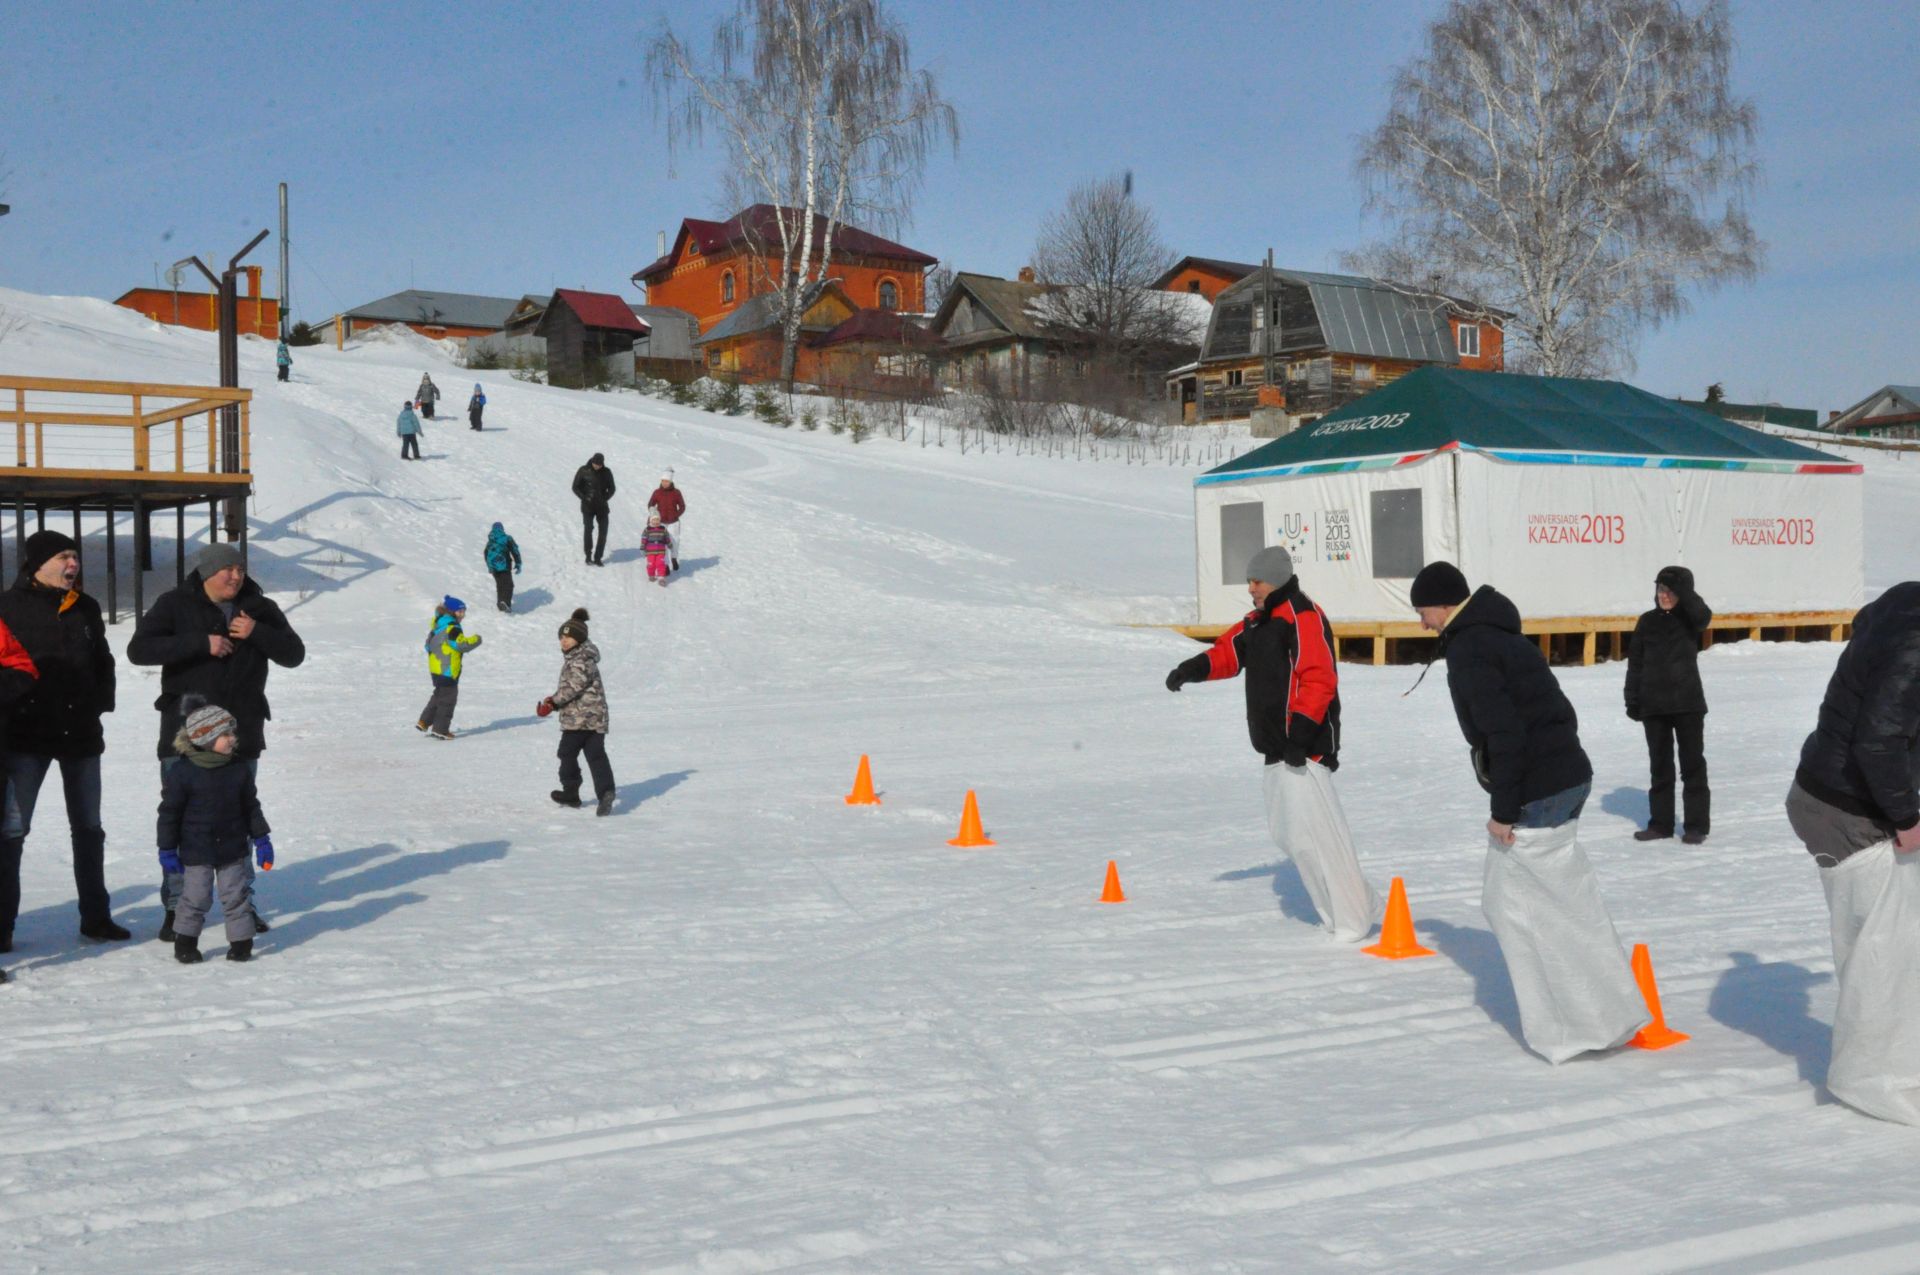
[(1775, 542)]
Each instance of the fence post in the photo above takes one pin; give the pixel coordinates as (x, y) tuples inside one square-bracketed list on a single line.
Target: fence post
[(113, 579)]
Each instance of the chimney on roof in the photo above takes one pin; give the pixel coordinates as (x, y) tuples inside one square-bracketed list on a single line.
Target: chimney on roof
[(1027, 275), (662, 241)]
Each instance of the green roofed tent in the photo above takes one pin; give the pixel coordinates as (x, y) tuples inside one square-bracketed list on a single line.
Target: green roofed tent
[(1567, 494)]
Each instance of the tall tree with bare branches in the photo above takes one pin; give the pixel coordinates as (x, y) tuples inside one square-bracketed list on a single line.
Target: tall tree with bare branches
[(1582, 164), (1101, 252), (824, 116)]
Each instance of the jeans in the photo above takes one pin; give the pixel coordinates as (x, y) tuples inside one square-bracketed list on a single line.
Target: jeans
[(170, 882), (588, 517), (1687, 730), (1551, 812), (594, 743), (80, 784), (409, 446)]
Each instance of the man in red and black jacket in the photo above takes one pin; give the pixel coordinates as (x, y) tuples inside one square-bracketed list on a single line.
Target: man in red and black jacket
[(1285, 648)]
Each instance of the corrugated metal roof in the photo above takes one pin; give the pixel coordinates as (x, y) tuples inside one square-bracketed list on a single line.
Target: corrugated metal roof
[(601, 310), (763, 311), (760, 224), (1365, 317), (443, 309)]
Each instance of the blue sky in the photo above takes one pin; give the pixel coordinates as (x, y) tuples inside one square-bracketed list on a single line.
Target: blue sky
[(508, 148)]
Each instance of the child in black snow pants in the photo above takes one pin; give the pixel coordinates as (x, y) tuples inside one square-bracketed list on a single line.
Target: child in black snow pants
[(581, 701), (209, 811)]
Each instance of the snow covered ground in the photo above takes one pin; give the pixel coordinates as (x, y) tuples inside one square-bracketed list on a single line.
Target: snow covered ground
[(741, 1027)]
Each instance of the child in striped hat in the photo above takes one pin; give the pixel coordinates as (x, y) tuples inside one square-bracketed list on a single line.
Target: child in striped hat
[(210, 817)]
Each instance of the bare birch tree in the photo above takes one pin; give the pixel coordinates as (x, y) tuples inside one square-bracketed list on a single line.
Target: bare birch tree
[(825, 119), (1102, 253), (1581, 164)]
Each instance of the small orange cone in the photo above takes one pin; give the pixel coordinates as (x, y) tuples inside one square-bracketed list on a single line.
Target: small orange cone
[(1656, 1034), (972, 835), (1112, 893), (862, 794), (1397, 942)]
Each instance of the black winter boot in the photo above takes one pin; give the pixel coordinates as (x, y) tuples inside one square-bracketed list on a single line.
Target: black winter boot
[(569, 797), (1653, 834), (186, 950), (241, 951), (106, 931), (606, 803), (166, 934), (6, 940), (260, 925)]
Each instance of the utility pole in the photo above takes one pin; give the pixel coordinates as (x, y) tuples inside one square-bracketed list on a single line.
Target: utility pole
[(283, 261), (1267, 318), (226, 285)]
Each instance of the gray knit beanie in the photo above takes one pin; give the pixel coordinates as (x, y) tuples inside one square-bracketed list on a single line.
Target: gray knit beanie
[(216, 558), (1272, 565)]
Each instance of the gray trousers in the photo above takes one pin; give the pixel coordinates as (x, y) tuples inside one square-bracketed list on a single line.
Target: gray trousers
[(438, 714), (170, 881), (1829, 833), (196, 899)]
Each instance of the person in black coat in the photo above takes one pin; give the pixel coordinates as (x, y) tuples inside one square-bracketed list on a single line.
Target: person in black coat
[(58, 720), (210, 817), (1665, 696), (216, 636), (593, 484)]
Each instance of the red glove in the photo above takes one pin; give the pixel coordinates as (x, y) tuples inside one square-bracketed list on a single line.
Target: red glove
[(544, 707)]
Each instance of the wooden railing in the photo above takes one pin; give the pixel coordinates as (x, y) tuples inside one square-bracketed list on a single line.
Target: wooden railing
[(79, 430)]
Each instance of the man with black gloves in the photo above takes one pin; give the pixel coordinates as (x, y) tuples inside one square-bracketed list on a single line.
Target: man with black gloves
[(1854, 806), (593, 484), (1570, 975), (1665, 696), (1285, 647), (58, 720), (215, 637)]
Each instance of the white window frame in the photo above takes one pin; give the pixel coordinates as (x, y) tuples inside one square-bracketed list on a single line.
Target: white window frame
[(1466, 340)]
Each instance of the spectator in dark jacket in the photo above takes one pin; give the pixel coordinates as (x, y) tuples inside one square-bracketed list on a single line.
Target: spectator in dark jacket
[(17, 675), (1665, 696), (216, 636), (1285, 647), (58, 721), (210, 817), (593, 485)]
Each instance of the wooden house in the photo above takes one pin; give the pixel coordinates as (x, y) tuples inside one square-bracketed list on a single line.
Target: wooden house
[(716, 267), (988, 329), (257, 315), (1306, 343), (435, 315), (876, 349), (583, 328), (746, 345), (1208, 276), (1892, 411)]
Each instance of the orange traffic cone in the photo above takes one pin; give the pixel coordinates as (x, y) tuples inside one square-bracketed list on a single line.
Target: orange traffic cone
[(1112, 893), (1397, 942), (862, 794), (1656, 1034), (972, 835)]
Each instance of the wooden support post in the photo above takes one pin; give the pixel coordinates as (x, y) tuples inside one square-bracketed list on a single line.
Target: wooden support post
[(20, 426), (1619, 642), (76, 524), (39, 517), (142, 557), (1379, 650), (113, 579), (1706, 639), (1546, 646), (1834, 634), (179, 445), (20, 527), (142, 444), (1587, 647), (180, 543), (1753, 634)]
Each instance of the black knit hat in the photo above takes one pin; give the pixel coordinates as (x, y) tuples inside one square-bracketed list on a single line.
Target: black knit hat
[(42, 546), (1439, 584), (575, 625)]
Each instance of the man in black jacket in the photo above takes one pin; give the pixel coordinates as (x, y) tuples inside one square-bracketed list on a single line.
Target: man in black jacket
[(215, 636), (1665, 696), (58, 721), (593, 484), (1570, 975)]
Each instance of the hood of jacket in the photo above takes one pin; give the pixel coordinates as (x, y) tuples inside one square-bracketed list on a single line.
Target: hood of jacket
[(586, 653), (1489, 608)]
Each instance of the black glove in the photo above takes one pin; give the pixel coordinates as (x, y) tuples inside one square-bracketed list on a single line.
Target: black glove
[(1177, 678), (1294, 756)]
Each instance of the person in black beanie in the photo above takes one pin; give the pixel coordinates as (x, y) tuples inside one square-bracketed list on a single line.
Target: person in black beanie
[(1570, 975), (1665, 696), (58, 720)]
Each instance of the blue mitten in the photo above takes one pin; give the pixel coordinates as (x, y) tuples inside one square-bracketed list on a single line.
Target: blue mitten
[(263, 853), (170, 862)]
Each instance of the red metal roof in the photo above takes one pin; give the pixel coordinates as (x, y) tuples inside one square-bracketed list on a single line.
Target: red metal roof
[(601, 310), (887, 327), (759, 225)]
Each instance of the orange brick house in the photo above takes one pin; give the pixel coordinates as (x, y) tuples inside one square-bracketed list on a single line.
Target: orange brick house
[(715, 267), (1208, 276), (257, 315)]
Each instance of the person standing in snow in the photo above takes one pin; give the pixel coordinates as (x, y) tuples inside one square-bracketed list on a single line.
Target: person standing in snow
[(58, 720), (215, 636), (1854, 806), (447, 644), (581, 701), (408, 427), (427, 395), (1570, 975), (283, 359), (667, 501), (656, 544), (1285, 647), (17, 675), (210, 817), (593, 485), (1665, 696), (476, 405), (503, 560)]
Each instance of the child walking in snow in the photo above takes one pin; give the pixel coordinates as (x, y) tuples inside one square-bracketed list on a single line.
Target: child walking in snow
[(476, 405), (209, 811), (503, 559), (656, 543), (446, 644), (581, 701)]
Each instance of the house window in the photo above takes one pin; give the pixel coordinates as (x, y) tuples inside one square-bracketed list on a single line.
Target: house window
[(1236, 378), (1363, 372), (889, 295), (1468, 336), (693, 248), (1193, 285), (726, 287)]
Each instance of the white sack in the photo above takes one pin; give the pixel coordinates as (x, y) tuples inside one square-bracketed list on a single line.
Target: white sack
[(1304, 816), (1873, 897), (1572, 980)]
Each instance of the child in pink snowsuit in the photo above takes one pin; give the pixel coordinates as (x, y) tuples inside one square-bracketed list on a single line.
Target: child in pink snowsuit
[(655, 542)]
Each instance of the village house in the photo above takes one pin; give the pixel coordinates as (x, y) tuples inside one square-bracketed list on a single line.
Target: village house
[(988, 330), (583, 331), (1208, 276), (257, 315), (1892, 411), (436, 315), (1302, 343), (716, 267)]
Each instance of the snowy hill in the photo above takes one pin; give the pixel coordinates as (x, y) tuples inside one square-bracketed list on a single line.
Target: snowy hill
[(741, 1027)]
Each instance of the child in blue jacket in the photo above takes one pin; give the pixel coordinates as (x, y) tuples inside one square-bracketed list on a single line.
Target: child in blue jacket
[(503, 559), (210, 817)]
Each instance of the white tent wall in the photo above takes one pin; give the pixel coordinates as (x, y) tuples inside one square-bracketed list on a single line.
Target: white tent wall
[(1330, 524)]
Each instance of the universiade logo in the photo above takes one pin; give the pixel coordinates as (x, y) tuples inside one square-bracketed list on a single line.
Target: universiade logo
[(1576, 529), (1388, 420), (1336, 535), (1293, 532), (1785, 533)]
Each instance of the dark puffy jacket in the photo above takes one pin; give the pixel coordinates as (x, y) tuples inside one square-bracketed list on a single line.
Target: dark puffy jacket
[(173, 634), (1524, 734), (1293, 689), (594, 488), (208, 814), (1663, 659), (67, 641), (1864, 754)]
